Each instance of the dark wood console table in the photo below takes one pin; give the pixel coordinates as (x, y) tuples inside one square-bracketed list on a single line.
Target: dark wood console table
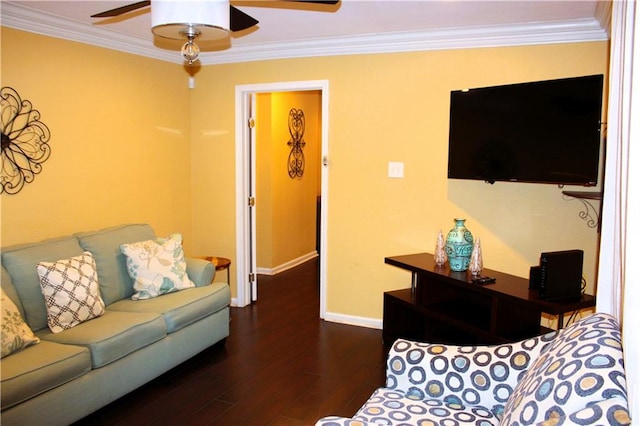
[(447, 307)]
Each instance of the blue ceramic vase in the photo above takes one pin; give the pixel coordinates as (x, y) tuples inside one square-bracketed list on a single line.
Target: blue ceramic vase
[(459, 245)]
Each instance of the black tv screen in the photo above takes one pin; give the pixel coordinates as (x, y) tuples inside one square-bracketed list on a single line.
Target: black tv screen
[(541, 132)]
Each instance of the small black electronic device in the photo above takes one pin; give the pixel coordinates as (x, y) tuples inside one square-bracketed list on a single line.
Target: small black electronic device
[(483, 280), (534, 278), (561, 275)]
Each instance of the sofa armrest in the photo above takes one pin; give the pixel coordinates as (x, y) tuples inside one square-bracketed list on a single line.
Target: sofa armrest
[(342, 421), (467, 375), (200, 271)]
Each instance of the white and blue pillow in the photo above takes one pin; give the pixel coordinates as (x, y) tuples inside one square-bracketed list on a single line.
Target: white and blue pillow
[(157, 266)]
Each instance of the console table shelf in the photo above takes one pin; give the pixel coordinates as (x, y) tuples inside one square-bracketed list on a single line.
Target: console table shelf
[(447, 307)]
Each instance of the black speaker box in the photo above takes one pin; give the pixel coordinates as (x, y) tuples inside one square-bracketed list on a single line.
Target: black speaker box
[(561, 275)]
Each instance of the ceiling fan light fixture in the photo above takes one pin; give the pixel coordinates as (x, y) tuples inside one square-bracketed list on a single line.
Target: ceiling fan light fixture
[(177, 20), (190, 51)]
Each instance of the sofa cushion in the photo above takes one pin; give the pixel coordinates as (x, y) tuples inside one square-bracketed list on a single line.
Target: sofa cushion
[(10, 290), (469, 375), (388, 407), (182, 308), (39, 368), (115, 283), (70, 287), (583, 365), (20, 261), (16, 334), (157, 266), (112, 336)]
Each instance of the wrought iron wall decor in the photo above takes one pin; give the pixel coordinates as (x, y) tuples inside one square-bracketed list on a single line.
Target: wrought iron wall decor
[(296, 156), (25, 141)]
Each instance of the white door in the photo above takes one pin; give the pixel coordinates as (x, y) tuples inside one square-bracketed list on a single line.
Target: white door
[(245, 185), (251, 169)]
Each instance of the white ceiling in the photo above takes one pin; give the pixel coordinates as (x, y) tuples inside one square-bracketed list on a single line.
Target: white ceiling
[(288, 29)]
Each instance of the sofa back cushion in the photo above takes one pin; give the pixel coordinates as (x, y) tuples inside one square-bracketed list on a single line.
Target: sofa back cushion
[(583, 365), (104, 245), (10, 290), (21, 260), (462, 375)]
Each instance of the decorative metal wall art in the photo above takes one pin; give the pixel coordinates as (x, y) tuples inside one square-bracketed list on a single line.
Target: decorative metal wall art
[(296, 156), (25, 142)]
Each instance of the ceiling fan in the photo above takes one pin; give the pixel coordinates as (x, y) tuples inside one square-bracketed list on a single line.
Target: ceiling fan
[(207, 20)]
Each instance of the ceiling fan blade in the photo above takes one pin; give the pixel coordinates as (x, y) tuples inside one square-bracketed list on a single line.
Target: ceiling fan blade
[(122, 10), (238, 20), (317, 1)]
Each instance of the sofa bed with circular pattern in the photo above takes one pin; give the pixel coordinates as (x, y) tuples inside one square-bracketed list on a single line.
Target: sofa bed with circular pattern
[(572, 377)]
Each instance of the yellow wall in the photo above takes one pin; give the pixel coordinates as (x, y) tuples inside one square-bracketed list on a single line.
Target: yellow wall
[(128, 138), (120, 148), (394, 107)]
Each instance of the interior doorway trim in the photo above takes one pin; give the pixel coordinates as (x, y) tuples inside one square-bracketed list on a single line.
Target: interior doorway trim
[(243, 244)]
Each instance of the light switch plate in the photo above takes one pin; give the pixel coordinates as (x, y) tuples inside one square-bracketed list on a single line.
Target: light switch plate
[(396, 169)]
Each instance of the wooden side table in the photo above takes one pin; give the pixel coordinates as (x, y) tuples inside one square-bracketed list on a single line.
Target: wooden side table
[(220, 263)]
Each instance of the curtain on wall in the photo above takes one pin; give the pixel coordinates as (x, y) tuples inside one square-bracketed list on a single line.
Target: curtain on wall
[(619, 275)]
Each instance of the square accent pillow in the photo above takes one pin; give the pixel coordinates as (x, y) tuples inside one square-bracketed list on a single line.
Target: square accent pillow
[(157, 266), (70, 290), (16, 334)]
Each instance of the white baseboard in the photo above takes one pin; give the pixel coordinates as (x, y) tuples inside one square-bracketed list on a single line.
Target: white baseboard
[(341, 318), (353, 320), (288, 265)]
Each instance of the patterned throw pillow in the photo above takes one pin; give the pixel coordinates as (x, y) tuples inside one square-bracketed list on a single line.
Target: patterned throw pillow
[(16, 334), (157, 266), (70, 290), (582, 366)]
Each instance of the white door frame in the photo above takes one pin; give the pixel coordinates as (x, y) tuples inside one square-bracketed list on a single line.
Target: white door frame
[(243, 243)]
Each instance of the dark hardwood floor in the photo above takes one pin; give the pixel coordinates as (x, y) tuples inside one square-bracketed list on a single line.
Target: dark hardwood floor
[(281, 365)]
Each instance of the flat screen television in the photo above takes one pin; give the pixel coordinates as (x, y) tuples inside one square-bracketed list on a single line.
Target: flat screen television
[(539, 132)]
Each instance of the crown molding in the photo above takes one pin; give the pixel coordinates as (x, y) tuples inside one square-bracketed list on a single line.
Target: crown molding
[(581, 30), (585, 30), (23, 18), (603, 15)]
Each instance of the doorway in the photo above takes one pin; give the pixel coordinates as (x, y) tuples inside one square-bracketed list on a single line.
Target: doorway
[(245, 184)]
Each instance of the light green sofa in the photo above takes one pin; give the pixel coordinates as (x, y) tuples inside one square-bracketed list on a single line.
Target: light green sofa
[(70, 374)]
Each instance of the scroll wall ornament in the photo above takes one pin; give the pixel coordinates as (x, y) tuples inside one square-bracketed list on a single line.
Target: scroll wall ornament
[(296, 156), (25, 142)]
